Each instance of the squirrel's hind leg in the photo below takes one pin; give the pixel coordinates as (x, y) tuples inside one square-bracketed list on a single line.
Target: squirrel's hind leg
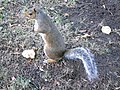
[(51, 61)]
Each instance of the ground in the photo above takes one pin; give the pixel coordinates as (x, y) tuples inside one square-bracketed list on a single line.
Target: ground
[(74, 19)]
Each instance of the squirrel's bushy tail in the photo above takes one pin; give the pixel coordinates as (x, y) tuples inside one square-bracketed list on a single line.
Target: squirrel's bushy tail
[(87, 58)]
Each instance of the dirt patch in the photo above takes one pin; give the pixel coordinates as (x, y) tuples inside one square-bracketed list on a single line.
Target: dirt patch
[(73, 18)]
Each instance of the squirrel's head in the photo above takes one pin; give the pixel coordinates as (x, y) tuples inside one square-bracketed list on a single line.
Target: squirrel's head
[(30, 13)]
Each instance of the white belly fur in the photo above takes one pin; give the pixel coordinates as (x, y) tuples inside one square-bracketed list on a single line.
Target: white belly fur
[(36, 26), (43, 37)]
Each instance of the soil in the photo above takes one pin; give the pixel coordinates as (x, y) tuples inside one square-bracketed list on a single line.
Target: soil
[(74, 19)]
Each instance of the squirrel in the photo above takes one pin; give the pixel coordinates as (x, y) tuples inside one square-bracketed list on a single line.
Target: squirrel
[(54, 45)]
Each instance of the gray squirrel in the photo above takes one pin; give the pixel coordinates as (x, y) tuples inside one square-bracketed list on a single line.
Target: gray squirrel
[(54, 46)]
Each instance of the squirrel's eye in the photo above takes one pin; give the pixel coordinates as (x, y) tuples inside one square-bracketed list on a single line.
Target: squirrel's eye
[(30, 13)]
